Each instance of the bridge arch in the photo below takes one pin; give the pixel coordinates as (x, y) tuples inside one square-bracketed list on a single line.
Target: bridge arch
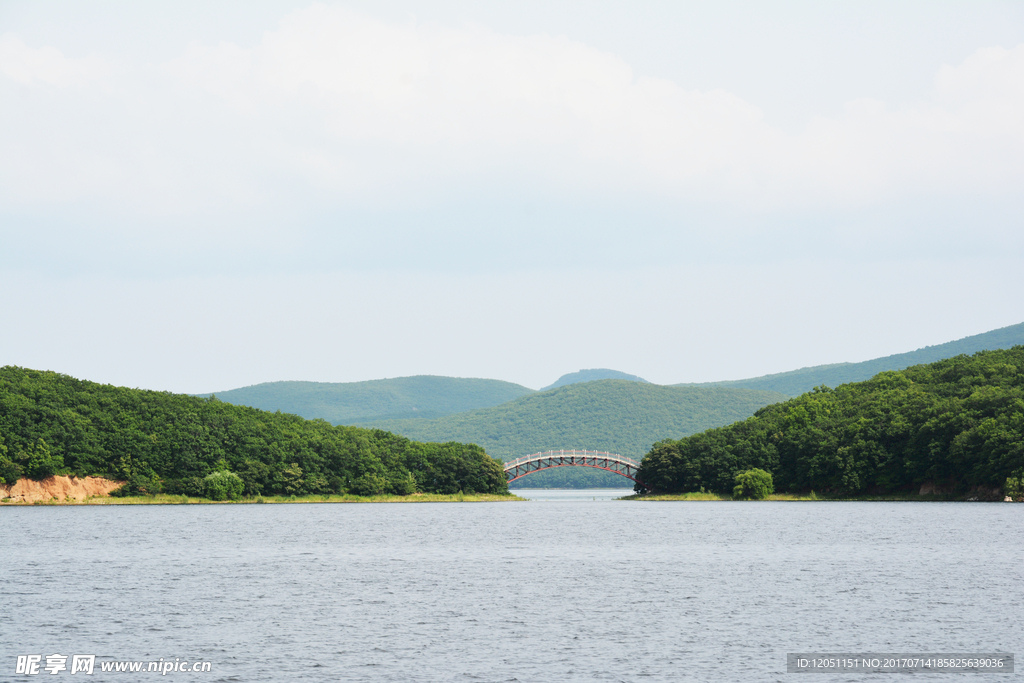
[(536, 462)]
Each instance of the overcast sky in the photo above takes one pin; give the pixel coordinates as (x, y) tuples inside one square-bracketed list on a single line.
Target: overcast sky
[(197, 198)]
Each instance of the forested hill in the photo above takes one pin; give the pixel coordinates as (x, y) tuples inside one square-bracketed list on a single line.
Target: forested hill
[(423, 396), (620, 416), (958, 423), (591, 376), (796, 382), (157, 441)]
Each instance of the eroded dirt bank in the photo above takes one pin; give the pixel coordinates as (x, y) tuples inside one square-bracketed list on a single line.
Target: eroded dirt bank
[(59, 487)]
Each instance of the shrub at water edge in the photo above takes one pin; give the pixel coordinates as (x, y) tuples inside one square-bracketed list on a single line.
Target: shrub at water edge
[(755, 484), (223, 485)]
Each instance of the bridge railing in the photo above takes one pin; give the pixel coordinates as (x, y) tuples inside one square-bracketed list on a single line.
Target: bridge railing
[(572, 453)]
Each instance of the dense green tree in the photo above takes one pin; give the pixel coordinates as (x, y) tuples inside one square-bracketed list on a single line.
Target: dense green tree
[(755, 484), (10, 471), (157, 441), (958, 423), (40, 462), (223, 485), (369, 485)]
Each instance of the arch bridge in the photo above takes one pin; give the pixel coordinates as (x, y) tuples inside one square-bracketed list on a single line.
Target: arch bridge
[(610, 462)]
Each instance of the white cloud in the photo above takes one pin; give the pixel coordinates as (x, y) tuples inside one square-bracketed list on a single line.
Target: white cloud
[(47, 65), (992, 75), (347, 108)]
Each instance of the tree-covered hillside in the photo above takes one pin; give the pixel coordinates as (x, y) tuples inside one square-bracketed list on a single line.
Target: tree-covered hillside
[(610, 415), (591, 376), (958, 423), (796, 382), (157, 441), (423, 396)]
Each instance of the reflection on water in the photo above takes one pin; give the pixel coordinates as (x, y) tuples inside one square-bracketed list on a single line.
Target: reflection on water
[(581, 495)]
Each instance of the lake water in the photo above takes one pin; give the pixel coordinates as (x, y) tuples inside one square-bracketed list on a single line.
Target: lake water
[(580, 495), (556, 590)]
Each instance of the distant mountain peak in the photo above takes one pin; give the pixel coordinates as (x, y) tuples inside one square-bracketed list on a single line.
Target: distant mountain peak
[(592, 375)]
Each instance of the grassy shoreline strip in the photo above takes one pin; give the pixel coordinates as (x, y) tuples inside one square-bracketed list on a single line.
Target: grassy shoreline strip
[(810, 497), (169, 499)]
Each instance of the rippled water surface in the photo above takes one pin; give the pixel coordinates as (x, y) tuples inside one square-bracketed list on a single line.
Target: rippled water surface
[(530, 591), (582, 495)]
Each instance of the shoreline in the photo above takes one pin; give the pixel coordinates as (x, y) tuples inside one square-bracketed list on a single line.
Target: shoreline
[(815, 498), (70, 490), (170, 499), (62, 490)]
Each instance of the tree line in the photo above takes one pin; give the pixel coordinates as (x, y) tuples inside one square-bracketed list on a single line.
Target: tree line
[(161, 442), (958, 423)]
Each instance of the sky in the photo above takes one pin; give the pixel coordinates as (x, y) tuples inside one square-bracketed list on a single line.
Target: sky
[(201, 196)]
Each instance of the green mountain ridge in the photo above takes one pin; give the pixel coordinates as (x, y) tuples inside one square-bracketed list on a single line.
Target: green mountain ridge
[(796, 382), (621, 416), (430, 396), (420, 396)]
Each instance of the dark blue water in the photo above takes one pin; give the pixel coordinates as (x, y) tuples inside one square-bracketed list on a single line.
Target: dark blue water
[(534, 591)]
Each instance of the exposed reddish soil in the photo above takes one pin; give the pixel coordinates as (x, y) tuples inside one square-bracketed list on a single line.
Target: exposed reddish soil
[(62, 488)]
